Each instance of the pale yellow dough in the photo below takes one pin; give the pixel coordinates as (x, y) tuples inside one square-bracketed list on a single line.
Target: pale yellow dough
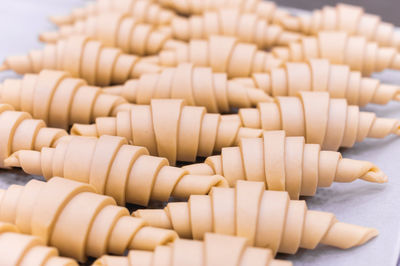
[(142, 10), (115, 30), (221, 53), (82, 57), (266, 218), (344, 17), (58, 99), (196, 85), (320, 75), (18, 131), (215, 250), (332, 123), (125, 172), (26, 250), (231, 22), (170, 129), (286, 163), (70, 216), (341, 48)]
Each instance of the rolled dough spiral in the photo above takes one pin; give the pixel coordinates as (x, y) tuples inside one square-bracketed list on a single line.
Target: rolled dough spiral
[(114, 30), (58, 99), (264, 9), (320, 75), (70, 216), (125, 172), (328, 122), (222, 54), (26, 250), (18, 131), (196, 85), (84, 58), (340, 48), (231, 22), (286, 164), (142, 10), (266, 218), (168, 128), (216, 249), (344, 17)]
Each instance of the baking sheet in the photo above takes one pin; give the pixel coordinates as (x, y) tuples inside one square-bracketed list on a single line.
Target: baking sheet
[(360, 202)]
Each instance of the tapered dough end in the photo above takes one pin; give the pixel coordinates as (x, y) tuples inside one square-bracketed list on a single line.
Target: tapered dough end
[(344, 236), (349, 170), (84, 130), (49, 36), (148, 238), (29, 161), (4, 67), (60, 20)]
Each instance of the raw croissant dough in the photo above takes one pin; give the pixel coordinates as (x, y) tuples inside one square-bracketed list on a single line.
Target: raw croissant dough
[(58, 99), (320, 75), (348, 18), (231, 22), (142, 10), (125, 172), (328, 122), (266, 218), (286, 163), (168, 128), (196, 85), (84, 58), (215, 250), (70, 216), (26, 250), (18, 131), (115, 30), (340, 48), (221, 53)]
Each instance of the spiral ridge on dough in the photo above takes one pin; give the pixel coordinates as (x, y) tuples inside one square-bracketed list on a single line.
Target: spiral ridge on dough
[(340, 48), (266, 218), (216, 249), (221, 53), (196, 85), (18, 131), (125, 172), (169, 129), (344, 17), (58, 99), (331, 123), (142, 10), (20, 249), (286, 164), (320, 75), (231, 22), (84, 58), (70, 216), (114, 30)]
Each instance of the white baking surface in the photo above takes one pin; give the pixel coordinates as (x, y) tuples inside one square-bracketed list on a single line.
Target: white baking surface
[(360, 202)]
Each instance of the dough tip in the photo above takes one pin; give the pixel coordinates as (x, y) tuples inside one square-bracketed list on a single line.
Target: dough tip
[(49, 36), (375, 175), (4, 67), (60, 20), (12, 161)]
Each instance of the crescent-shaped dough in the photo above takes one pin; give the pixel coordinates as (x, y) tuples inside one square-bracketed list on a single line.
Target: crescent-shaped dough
[(321, 75), (170, 129), (143, 11), (321, 117), (69, 216), (225, 54), (341, 48), (114, 30), (58, 99), (216, 249), (125, 172), (18, 131), (348, 18), (20, 249), (84, 58), (266, 218)]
